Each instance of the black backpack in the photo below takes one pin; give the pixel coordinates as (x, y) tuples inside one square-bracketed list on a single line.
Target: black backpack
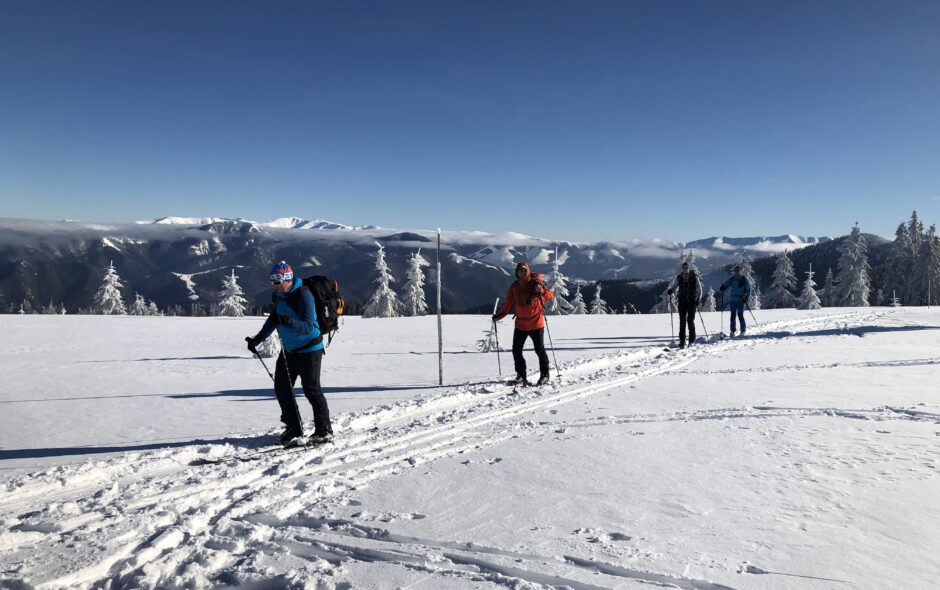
[(329, 303)]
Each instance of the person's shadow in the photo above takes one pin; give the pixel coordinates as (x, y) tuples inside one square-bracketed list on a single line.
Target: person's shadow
[(246, 442)]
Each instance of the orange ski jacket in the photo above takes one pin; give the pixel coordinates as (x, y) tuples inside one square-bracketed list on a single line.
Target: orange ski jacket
[(529, 307)]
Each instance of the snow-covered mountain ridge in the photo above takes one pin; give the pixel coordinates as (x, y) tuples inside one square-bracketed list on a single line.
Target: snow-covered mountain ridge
[(151, 257)]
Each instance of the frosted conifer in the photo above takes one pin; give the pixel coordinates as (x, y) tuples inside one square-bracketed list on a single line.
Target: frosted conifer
[(784, 279), (270, 348), (901, 259), (829, 289), (748, 272), (231, 302), (578, 307), (557, 283), (690, 259), (384, 302), (152, 308), (709, 304), (808, 298), (915, 233), (854, 283), (598, 305), (926, 274), (413, 303), (139, 307), (108, 299)]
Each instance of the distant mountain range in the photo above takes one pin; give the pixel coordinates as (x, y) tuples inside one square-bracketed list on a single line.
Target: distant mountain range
[(182, 260)]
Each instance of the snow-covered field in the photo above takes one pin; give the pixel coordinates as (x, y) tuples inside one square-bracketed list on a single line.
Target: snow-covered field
[(805, 456)]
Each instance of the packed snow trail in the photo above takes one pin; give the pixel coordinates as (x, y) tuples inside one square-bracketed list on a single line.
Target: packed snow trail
[(157, 521)]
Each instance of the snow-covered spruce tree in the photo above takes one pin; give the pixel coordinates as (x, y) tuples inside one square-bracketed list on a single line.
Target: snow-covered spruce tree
[(384, 302), (139, 307), (152, 308), (557, 283), (915, 233), (895, 302), (829, 289), (926, 273), (901, 260), (412, 300), (665, 303), (231, 302), (709, 304), (748, 272), (808, 298), (853, 279), (784, 279), (108, 299), (598, 305), (578, 307), (488, 342), (690, 258), (270, 348)]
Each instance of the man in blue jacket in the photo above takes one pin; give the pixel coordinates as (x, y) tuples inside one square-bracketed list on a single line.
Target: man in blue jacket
[(739, 291), (295, 318)]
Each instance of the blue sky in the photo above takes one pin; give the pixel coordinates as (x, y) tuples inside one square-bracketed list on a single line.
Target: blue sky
[(565, 120)]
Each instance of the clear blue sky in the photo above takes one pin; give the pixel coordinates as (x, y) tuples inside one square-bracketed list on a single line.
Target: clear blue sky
[(569, 120)]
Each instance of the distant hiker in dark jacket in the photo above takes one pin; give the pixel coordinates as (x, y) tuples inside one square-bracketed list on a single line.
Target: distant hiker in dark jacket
[(739, 291), (527, 295), (295, 318), (689, 296)]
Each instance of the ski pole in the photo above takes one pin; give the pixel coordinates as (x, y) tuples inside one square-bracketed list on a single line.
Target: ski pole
[(721, 320), (254, 351), (552, 344), (499, 363), (703, 325), (672, 326), (756, 324), (258, 356)]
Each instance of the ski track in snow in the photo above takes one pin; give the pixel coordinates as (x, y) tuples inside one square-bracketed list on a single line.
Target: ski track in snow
[(165, 523)]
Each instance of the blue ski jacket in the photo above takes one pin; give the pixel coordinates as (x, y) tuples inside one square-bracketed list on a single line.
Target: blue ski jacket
[(300, 327), (738, 288)]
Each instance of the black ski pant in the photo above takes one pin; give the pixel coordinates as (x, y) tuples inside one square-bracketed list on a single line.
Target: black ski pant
[(686, 316), (305, 365), (538, 341)]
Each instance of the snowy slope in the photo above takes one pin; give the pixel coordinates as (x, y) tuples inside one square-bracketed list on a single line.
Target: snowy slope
[(805, 456)]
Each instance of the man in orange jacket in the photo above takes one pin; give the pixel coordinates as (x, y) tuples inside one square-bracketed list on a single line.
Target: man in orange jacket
[(528, 295)]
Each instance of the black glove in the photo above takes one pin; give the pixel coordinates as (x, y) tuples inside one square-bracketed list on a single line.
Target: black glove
[(497, 317), (722, 288), (252, 344), (285, 320), (668, 291)]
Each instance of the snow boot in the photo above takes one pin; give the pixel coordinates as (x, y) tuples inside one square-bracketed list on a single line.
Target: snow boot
[(681, 344), (519, 381), (543, 380), (320, 437), (291, 437)]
